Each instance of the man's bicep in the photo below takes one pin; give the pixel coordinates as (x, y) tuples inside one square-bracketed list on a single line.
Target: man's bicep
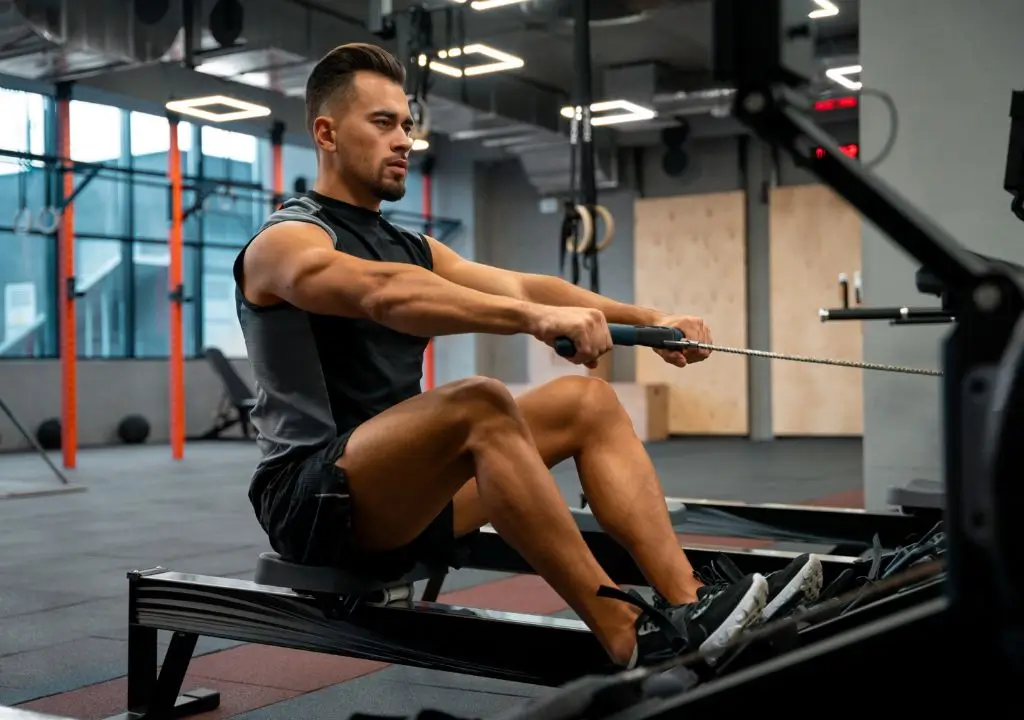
[(278, 253), (485, 278), (296, 262)]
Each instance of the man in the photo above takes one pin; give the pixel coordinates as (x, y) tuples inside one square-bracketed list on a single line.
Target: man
[(363, 470)]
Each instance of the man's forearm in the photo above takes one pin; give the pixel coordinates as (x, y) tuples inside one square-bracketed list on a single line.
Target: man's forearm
[(419, 302), (551, 290)]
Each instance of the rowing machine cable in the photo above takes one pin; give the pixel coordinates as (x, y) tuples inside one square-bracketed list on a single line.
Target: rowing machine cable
[(894, 126), (693, 344)]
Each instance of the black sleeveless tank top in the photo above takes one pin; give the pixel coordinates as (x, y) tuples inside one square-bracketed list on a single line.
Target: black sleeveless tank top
[(318, 376)]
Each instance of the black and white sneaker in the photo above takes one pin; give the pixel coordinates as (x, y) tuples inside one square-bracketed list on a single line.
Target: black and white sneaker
[(721, 613), (798, 584)]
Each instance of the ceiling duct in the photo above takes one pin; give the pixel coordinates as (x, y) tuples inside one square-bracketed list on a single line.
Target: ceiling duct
[(603, 13), (666, 91), (278, 56), (495, 114), (58, 39), (547, 167), (63, 39)]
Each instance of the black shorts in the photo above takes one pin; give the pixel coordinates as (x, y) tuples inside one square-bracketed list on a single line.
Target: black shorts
[(306, 510)]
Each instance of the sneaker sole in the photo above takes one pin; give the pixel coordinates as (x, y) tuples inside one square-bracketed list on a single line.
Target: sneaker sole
[(746, 614), (805, 585)]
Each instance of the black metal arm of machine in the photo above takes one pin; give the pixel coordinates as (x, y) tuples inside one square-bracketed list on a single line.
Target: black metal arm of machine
[(757, 42), (763, 49), (895, 315), (1014, 180)]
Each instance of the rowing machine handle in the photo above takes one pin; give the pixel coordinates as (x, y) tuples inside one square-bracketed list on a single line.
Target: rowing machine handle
[(644, 335)]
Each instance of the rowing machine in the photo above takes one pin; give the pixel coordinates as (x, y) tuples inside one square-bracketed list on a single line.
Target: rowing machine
[(327, 610)]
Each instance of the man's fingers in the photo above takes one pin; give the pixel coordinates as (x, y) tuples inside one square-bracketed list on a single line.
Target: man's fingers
[(672, 356), (679, 358)]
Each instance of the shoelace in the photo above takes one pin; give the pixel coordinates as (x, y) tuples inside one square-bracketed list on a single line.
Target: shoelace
[(721, 571), (710, 576), (727, 569)]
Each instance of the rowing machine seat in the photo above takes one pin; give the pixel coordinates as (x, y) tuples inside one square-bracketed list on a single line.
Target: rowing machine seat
[(272, 569), (919, 494)]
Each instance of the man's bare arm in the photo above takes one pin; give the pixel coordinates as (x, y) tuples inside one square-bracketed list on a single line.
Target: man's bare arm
[(296, 262), (534, 288)]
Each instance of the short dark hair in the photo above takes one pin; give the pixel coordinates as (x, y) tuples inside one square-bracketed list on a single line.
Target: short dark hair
[(335, 70)]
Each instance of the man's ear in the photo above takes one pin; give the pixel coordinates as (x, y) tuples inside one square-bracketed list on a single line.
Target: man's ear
[(325, 134)]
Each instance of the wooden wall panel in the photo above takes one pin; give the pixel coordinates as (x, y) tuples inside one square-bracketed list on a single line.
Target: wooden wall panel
[(690, 258), (815, 236)]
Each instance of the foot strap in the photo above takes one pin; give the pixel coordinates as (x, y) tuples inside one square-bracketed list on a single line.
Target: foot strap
[(650, 614)]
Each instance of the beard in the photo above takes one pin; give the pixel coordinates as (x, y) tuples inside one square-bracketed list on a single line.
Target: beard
[(388, 189)]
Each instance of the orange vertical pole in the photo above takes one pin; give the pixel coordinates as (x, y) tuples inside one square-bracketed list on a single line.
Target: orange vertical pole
[(427, 206), (66, 252), (277, 163), (177, 297)]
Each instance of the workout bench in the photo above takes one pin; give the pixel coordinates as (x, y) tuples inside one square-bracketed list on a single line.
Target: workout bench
[(235, 404)]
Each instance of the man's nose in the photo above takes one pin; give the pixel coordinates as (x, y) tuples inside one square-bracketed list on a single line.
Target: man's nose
[(403, 143)]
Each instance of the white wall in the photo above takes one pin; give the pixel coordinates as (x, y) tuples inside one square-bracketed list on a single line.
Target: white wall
[(950, 66)]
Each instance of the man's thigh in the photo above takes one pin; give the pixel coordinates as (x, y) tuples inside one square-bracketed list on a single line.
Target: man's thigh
[(404, 470), (551, 411)]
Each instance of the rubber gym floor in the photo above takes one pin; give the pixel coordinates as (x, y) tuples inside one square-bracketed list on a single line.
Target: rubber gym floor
[(63, 558)]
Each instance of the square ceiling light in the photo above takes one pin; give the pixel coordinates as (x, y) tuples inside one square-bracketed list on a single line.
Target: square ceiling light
[(627, 112), (211, 108), (501, 61), (841, 76), (825, 9), (489, 4)]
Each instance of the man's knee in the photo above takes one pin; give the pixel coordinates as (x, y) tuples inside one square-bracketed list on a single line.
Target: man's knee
[(481, 398), (486, 411), (588, 400)]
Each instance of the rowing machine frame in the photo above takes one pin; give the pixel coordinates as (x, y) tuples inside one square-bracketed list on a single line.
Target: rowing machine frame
[(977, 620), (535, 649), (490, 552), (850, 530)]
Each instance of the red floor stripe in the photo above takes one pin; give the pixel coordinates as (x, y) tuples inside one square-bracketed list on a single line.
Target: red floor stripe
[(848, 499), (521, 593), (95, 702), (724, 542), (299, 671)]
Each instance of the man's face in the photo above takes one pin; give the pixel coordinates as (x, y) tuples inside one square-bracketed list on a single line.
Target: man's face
[(371, 135)]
